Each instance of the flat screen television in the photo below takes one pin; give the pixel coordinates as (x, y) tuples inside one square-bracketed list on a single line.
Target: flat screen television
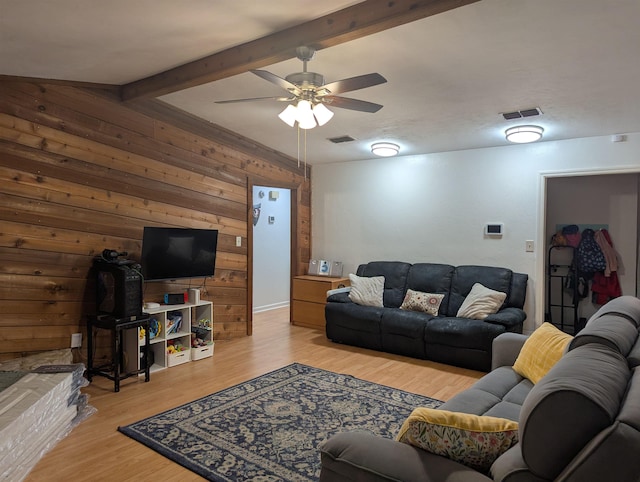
[(176, 253)]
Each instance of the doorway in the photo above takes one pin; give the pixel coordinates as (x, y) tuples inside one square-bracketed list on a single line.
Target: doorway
[(271, 222), (583, 198)]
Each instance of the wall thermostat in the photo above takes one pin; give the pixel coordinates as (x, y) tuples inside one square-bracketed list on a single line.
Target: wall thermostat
[(494, 229)]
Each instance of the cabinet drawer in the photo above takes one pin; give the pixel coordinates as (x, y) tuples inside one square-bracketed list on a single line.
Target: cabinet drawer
[(304, 313), (314, 288), (308, 290)]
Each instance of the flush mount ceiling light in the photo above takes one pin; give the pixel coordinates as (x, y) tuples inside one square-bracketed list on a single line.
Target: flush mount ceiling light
[(385, 149), (524, 134)]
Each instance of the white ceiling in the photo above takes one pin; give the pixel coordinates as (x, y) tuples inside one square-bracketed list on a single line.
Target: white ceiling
[(449, 76)]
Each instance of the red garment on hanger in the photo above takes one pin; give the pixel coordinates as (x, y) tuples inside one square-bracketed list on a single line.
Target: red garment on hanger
[(605, 288)]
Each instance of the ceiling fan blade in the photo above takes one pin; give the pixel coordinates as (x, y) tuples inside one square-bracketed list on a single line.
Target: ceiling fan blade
[(352, 104), (353, 83), (279, 81), (252, 99)]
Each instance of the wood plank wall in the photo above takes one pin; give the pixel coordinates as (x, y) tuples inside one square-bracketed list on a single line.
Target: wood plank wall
[(80, 171)]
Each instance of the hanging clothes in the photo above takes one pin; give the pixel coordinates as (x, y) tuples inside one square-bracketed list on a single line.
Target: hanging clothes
[(605, 285), (605, 288), (603, 239)]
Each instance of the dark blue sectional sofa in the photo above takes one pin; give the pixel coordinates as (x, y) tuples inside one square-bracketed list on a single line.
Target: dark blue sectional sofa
[(444, 338)]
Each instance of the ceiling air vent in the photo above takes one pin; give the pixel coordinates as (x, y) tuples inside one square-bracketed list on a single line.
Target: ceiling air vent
[(341, 139), (522, 113)]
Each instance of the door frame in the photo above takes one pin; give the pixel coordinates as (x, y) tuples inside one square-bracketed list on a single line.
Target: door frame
[(542, 235), (295, 190)]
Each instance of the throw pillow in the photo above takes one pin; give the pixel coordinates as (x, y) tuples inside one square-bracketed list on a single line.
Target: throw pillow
[(481, 302), (473, 440), (541, 351), (419, 301), (367, 291)]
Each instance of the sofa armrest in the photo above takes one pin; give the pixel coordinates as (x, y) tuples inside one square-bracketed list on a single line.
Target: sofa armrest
[(506, 348), (340, 295), (346, 289), (511, 318), (360, 456)]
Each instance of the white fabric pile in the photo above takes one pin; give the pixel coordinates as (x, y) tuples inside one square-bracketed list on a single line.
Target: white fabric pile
[(36, 412)]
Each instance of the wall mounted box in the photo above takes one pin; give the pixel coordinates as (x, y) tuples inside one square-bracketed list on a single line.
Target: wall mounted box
[(494, 229)]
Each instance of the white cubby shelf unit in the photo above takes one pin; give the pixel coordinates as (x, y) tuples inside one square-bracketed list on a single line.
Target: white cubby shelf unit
[(175, 325)]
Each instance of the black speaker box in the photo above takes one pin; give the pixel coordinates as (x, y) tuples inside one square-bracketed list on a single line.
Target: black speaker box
[(118, 290)]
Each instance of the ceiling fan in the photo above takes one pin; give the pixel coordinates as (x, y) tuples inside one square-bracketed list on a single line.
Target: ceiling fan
[(311, 95)]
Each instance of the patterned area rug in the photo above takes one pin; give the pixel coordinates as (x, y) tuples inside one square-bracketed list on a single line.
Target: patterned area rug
[(269, 428)]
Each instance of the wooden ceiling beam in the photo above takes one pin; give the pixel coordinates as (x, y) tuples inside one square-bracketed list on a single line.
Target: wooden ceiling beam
[(366, 18)]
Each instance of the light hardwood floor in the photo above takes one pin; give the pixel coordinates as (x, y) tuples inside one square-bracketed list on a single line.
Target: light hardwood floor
[(96, 451)]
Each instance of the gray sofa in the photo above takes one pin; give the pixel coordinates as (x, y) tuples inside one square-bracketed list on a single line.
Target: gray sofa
[(444, 338), (579, 423)]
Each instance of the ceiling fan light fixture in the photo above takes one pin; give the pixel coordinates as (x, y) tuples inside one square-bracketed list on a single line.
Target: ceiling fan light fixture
[(305, 117), (322, 114), (385, 149), (524, 134), (289, 115)]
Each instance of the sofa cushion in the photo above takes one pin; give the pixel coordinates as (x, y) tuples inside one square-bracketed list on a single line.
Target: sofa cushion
[(461, 332), (517, 290), (500, 393), (403, 332), (481, 302), (366, 291), (613, 453), (610, 329), (475, 441), (419, 301), (541, 351), (359, 455), (461, 342), (395, 279), (354, 324), (579, 397), (464, 277), (633, 358), (627, 306), (431, 278)]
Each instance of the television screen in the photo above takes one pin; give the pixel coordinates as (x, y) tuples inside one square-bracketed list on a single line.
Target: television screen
[(174, 253)]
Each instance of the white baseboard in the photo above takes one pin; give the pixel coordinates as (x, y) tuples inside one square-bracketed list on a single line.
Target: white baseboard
[(273, 306)]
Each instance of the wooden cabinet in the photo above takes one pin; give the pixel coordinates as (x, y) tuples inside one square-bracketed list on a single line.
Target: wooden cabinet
[(309, 298)]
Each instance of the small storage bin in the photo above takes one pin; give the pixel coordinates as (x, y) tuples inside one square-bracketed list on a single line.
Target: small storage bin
[(201, 352), (177, 358)]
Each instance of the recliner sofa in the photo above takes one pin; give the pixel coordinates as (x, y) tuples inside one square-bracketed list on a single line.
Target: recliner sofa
[(443, 338), (579, 423)]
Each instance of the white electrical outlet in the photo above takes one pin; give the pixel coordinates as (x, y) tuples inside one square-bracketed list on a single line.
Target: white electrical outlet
[(76, 340), (238, 241)]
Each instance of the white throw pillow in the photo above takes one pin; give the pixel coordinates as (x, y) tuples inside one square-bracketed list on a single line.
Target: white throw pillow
[(366, 291), (481, 302)]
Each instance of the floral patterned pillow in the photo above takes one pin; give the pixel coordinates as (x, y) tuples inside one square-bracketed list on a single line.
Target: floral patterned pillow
[(419, 301), (473, 440)]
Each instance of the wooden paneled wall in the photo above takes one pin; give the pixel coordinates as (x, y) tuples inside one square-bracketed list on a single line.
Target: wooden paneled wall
[(80, 171)]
